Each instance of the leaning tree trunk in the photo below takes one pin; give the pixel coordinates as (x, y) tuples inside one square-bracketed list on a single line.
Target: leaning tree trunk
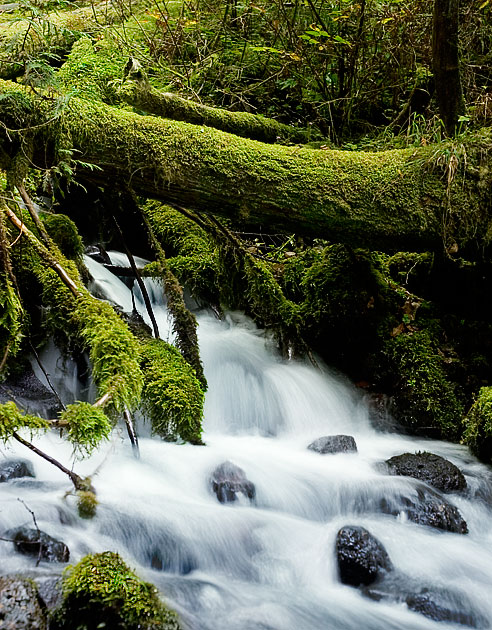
[(445, 62), (395, 199)]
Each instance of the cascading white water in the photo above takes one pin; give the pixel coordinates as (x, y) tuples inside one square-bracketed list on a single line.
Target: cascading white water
[(268, 565)]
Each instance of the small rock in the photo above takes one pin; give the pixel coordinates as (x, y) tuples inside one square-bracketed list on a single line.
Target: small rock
[(20, 605), (98, 253), (33, 542), (334, 444), (433, 469), (15, 469), (228, 480), (361, 557)]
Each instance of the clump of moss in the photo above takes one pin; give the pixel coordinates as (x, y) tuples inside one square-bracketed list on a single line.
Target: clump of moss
[(65, 234), (172, 395), (87, 426), (86, 504), (478, 425), (426, 400), (102, 592)]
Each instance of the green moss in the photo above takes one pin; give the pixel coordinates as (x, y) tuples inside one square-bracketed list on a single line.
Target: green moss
[(86, 504), (172, 395), (478, 425), (425, 398), (65, 234), (87, 426), (90, 70), (12, 419), (101, 591)]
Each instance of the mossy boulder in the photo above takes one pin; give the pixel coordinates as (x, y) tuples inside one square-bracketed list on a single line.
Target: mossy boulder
[(102, 592), (478, 425)]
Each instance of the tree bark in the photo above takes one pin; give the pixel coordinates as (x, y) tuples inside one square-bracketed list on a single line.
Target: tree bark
[(445, 62), (390, 199)]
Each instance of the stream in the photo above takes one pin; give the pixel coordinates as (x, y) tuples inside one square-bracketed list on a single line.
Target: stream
[(270, 563)]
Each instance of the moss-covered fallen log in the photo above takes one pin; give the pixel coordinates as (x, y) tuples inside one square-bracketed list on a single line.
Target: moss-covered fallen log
[(167, 105), (417, 197)]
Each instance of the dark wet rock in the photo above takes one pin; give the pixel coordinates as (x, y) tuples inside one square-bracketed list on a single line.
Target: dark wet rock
[(98, 253), (434, 603), (334, 444), (33, 542), (426, 603), (30, 395), (15, 469), (428, 508), (361, 557), (433, 469), (20, 605), (228, 480)]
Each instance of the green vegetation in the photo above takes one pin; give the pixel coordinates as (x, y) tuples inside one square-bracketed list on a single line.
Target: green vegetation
[(478, 425), (101, 591), (172, 395)]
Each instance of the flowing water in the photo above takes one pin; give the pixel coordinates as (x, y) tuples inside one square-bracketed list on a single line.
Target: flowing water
[(269, 564)]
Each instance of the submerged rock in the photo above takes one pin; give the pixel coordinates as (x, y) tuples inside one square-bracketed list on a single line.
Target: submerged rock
[(434, 603), (33, 542), (15, 469), (361, 557), (334, 444), (428, 508), (20, 605), (427, 603), (433, 469), (229, 480)]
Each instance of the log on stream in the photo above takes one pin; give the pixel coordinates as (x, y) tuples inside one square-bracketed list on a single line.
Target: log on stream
[(417, 198)]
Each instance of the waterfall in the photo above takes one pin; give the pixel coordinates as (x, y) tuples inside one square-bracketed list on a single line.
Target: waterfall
[(266, 564)]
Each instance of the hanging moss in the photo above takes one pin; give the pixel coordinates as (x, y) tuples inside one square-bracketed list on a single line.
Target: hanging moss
[(478, 425), (12, 419), (101, 591), (87, 426), (172, 395)]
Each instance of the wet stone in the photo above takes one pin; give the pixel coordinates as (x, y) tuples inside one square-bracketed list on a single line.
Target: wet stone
[(15, 469), (331, 444), (33, 542), (361, 557), (433, 469), (229, 480), (428, 508)]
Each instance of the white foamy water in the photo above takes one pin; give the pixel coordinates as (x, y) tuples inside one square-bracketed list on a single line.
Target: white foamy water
[(269, 564)]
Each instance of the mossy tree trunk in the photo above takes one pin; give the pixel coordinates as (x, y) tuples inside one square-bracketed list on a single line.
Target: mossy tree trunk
[(391, 199)]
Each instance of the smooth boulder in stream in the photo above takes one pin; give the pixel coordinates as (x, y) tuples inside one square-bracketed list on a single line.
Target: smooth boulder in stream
[(361, 557), (438, 472), (331, 444), (33, 542), (229, 480)]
